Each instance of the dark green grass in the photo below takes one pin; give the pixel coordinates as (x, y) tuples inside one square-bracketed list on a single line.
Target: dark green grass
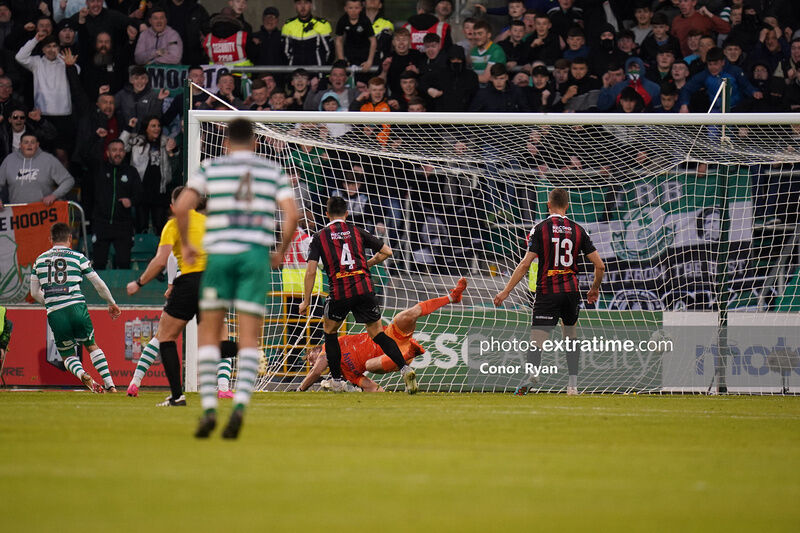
[(72, 461)]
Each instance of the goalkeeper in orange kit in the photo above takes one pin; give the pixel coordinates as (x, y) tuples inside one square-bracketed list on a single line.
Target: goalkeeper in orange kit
[(360, 354)]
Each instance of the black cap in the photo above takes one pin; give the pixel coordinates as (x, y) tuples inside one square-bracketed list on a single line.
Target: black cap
[(67, 23), (271, 10), (540, 70), (408, 75), (607, 27)]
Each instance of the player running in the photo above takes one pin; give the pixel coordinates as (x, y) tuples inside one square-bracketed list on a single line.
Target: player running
[(360, 354), (244, 192), (56, 283), (181, 307), (556, 242), (341, 247)]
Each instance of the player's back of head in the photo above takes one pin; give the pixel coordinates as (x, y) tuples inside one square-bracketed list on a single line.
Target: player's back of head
[(558, 198), (240, 131), (60, 232), (337, 206)]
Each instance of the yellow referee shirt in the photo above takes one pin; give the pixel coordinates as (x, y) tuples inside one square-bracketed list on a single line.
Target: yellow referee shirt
[(197, 229)]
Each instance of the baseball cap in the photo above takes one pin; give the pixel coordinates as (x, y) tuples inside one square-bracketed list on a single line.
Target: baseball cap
[(541, 70), (271, 10)]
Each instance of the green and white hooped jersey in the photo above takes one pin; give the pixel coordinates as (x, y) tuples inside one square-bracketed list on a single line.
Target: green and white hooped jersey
[(243, 192), (60, 271)]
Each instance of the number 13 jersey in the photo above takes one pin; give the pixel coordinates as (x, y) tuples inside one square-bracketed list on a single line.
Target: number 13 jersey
[(340, 247), (558, 242)]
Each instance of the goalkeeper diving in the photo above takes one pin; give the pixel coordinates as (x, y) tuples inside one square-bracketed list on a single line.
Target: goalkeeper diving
[(360, 354)]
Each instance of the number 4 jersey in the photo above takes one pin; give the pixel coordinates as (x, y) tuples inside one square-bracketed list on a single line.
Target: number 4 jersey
[(340, 247), (60, 271), (557, 242)]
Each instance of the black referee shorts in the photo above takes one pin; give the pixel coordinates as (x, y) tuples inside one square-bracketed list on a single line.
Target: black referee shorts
[(365, 308), (183, 301), (548, 308)]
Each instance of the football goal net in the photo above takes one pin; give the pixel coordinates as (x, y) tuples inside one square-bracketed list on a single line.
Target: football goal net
[(695, 217)]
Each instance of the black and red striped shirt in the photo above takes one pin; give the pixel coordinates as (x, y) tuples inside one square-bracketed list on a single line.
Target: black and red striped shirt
[(340, 247), (557, 242)]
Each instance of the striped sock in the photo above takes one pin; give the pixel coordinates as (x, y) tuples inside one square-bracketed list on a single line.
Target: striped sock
[(248, 370), (100, 363), (74, 365), (207, 360), (148, 357), (224, 374)]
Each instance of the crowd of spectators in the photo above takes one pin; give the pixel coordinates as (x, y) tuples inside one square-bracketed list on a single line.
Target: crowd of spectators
[(80, 119)]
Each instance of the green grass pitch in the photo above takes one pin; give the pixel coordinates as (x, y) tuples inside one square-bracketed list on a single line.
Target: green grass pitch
[(72, 461)]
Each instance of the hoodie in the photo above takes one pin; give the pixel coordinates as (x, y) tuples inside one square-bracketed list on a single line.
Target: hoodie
[(335, 130), (458, 83), (30, 180), (649, 91), (49, 81)]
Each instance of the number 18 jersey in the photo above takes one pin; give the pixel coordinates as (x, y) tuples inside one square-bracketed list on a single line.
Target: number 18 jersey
[(341, 248), (60, 271), (558, 242)]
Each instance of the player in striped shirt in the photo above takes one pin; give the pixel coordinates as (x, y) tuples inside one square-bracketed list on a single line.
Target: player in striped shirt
[(557, 243), (244, 193), (341, 246), (56, 283)]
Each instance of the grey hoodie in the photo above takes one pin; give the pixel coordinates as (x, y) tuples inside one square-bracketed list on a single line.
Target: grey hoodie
[(30, 180)]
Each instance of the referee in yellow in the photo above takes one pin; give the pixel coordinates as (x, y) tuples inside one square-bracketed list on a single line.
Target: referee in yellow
[(181, 307)]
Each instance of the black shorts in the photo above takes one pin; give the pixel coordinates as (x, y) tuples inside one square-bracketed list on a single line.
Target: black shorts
[(365, 308), (182, 302), (548, 308)]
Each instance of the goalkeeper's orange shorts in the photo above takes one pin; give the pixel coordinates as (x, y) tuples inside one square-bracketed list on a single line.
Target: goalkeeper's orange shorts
[(409, 347)]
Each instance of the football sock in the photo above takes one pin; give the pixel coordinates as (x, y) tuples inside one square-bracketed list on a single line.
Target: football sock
[(246, 378), (101, 365), (224, 374), (148, 357), (74, 365), (389, 347), (429, 306), (534, 357), (207, 360), (334, 354), (172, 367), (572, 367)]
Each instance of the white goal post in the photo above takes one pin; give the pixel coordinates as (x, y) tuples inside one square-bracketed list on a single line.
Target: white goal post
[(695, 215)]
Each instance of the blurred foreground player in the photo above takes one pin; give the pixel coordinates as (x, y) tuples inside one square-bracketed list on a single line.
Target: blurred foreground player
[(244, 193), (181, 307), (341, 247), (557, 243), (360, 354)]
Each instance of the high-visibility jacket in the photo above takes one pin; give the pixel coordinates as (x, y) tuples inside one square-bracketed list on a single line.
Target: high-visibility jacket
[(295, 263), (229, 50), (417, 35), (307, 43)]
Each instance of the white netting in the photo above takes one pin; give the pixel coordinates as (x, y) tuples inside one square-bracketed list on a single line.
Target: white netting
[(697, 225)]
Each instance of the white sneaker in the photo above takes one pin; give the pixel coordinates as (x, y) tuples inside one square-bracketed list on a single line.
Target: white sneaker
[(333, 385), (410, 379), (572, 391)]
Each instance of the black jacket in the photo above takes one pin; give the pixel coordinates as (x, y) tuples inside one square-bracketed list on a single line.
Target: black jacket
[(109, 184), (191, 21), (269, 49), (44, 130), (490, 100), (459, 85)]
